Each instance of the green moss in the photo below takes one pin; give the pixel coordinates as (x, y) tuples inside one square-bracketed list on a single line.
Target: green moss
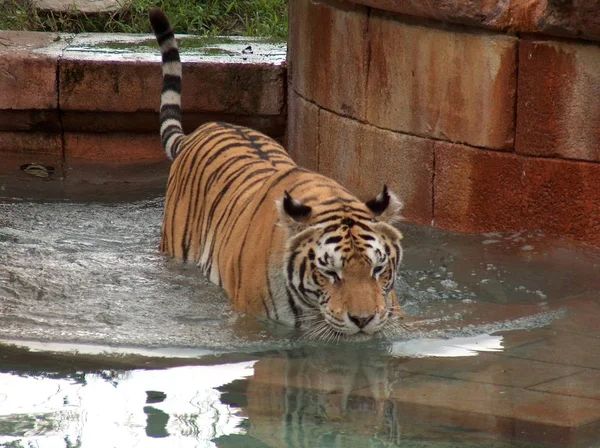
[(73, 76)]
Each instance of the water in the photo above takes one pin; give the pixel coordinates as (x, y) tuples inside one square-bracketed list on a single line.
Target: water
[(107, 343)]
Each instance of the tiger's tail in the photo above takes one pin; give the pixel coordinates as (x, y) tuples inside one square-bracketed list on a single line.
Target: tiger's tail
[(171, 130)]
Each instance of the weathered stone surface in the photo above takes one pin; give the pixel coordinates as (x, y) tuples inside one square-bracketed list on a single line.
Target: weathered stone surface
[(484, 13), (28, 70), (147, 122), (136, 86), (93, 77), (303, 135), (364, 158), (36, 120), (512, 413), (21, 148), (329, 54), (577, 18), (483, 191), (113, 148), (30, 143), (442, 83), (141, 176), (11, 164), (558, 105)]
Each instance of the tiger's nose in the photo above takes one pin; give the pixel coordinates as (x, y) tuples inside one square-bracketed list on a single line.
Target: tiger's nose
[(361, 322)]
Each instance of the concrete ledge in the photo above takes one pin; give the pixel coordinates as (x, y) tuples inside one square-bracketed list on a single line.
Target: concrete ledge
[(72, 101)]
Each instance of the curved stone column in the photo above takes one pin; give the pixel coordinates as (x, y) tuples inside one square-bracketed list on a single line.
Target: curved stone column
[(461, 121)]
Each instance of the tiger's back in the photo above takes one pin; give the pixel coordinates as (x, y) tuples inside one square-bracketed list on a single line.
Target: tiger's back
[(216, 205)]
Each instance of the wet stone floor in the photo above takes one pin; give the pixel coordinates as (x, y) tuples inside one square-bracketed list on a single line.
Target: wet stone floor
[(105, 343)]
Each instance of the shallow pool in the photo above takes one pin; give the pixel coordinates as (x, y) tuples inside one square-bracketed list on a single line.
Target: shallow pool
[(107, 343)]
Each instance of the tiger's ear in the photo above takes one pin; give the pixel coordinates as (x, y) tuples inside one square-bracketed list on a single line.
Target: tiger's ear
[(292, 213), (386, 205)]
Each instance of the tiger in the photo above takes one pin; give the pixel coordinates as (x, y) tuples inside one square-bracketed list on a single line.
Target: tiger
[(284, 242)]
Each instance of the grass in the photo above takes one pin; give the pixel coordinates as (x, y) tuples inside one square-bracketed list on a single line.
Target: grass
[(204, 17)]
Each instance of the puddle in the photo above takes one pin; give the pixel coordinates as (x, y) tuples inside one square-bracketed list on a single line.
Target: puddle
[(106, 343), (230, 49)]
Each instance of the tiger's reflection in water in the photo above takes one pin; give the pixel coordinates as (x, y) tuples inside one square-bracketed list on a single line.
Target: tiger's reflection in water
[(320, 398)]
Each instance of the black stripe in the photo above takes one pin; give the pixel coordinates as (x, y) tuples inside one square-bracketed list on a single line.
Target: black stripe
[(217, 201), (290, 282), (171, 55), (335, 217), (271, 295), (197, 168), (277, 180), (175, 146), (171, 83), (208, 183), (264, 302), (294, 309), (347, 209), (337, 201), (333, 239), (165, 36), (363, 226), (231, 225), (170, 111), (301, 274), (366, 237), (170, 130)]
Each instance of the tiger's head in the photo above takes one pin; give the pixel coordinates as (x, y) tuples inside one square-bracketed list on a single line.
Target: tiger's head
[(340, 264)]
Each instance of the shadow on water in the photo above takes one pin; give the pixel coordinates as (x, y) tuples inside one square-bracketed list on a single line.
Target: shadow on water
[(108, 344)]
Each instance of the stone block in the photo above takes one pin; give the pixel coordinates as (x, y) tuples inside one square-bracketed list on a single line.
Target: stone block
[(565, 348), (578, 18), (558, 105), (483, 191), (113, 148), (483, 13), (363, 158), (32, 120), (31, 143), (108, 86), (303, 132), (328, 47), (131, 81), (491, 368), (28, 69), (582, 384), (147, 122), (511, 413), (445, 83)]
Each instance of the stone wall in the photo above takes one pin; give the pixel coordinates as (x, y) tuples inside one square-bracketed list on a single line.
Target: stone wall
[(87, 105), (477, 119)]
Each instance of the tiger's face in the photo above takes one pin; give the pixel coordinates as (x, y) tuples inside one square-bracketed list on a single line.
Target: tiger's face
[(340, 274)]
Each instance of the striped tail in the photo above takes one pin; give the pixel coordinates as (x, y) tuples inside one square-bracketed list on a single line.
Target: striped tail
[(171, 131)]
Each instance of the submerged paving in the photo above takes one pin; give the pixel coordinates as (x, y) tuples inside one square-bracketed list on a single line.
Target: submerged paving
[(503, 348)]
